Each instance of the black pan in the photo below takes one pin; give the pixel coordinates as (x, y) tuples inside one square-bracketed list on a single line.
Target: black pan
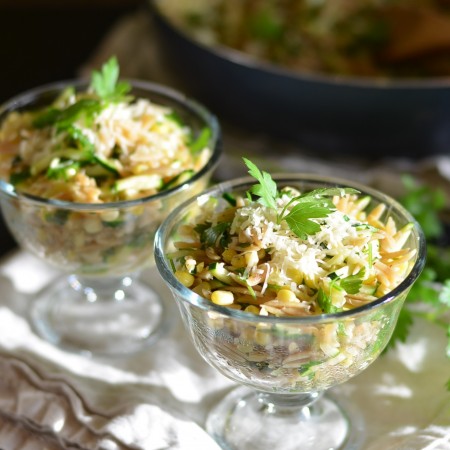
[(324, 114)]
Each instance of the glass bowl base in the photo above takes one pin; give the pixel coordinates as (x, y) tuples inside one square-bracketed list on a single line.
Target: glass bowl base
[(123, 317), (241, 421)]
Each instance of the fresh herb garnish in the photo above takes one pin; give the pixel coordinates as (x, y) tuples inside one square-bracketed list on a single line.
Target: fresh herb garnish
[(352, 283), (211, 235), (201, 141), (63, 118), (316, 204), (106, 82), (433, 285), (324, 300), (266, 190), (299, 218)]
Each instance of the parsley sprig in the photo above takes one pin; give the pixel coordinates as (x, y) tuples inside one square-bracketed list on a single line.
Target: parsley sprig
[(106, 82), (315, 204), (433, 285), (106, 86), (351, 284)]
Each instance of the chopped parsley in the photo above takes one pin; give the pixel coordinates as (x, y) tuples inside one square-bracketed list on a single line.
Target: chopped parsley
[(316, 204), (433, 285)]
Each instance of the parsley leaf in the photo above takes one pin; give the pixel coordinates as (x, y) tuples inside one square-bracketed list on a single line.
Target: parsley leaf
[(325, 303), (299, 217), (352, 284), (266, 189), (201, 141), (433, 285), (212, 235), (316, 204), (424, 204), (64, 118), (105, 82)]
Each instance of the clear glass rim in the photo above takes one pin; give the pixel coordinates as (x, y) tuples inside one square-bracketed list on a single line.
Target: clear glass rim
[(197, 108), (196, 300)]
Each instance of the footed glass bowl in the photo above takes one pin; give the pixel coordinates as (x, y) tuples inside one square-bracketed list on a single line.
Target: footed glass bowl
[(98, 305), (286, 364)]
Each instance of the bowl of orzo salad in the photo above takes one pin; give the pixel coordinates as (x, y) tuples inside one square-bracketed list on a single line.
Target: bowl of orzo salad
[(88, 170), (288, 285)]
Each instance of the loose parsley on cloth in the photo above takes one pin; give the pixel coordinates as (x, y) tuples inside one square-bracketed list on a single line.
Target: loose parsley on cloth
[(433, 285)]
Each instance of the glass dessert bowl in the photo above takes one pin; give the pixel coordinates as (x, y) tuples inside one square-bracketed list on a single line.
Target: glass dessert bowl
[(284, 359), (100, 238)]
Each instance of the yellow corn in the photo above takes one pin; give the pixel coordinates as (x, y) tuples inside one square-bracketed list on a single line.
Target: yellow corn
[(262, 338), (294, 275), (223, 298), (286, 296), (238, 261), (252, 309), (92, 225), (228, 254), (184, 278), (110, 215)]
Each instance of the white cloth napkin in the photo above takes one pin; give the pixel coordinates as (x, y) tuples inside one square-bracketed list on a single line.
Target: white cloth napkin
[(159, 399)]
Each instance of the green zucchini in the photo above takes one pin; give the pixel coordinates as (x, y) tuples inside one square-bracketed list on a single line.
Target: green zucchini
[(139, 183), (219, 272), (108, 164), (181, 178), (72, 154)]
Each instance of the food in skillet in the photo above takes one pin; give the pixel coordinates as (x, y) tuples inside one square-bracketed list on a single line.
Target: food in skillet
[(345, 37), (288, 253)]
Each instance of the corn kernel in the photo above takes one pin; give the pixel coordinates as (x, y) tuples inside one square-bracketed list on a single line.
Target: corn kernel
[(92, 225), (228, 254), (238, 261), (223, 298), (295, 275), (286, 296), (252, 309), (110, 215), (184, 278), (262, 338)]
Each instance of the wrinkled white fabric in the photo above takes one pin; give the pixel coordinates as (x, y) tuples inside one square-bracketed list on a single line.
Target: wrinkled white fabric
[(160, 399)]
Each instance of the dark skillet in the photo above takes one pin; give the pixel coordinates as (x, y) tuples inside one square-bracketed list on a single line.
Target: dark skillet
[(324, 114)]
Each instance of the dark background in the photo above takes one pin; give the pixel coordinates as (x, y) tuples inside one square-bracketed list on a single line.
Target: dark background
[(48, 40)]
